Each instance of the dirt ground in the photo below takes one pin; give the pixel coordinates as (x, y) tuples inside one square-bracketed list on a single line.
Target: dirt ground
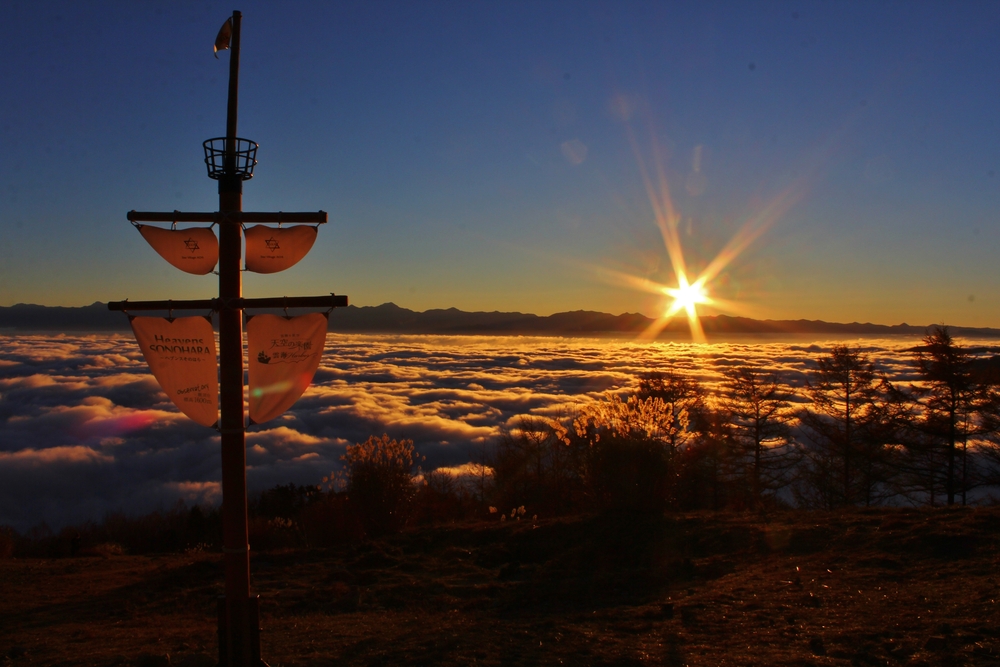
[(880, 587)]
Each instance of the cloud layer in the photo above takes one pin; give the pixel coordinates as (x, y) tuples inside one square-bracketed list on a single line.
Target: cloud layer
[(85, 429)]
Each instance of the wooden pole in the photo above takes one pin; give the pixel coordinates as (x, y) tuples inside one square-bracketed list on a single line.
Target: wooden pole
[(236, 647), (238, 613)]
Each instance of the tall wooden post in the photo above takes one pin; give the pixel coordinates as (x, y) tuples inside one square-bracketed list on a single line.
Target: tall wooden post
[(238, 614), (239, 642)]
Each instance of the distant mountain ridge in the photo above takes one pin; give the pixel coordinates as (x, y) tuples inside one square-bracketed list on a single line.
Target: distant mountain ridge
[(390, 318)]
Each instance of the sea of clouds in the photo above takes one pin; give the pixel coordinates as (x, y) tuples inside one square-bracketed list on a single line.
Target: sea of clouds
[(86, 430)]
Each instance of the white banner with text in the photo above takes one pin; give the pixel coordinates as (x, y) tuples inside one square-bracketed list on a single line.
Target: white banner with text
[(181, 354), (284, 354)]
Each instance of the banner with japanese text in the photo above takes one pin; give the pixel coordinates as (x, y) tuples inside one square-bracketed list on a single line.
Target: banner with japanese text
[(194, 250), (270, 249), (284, 354), (181, 354)]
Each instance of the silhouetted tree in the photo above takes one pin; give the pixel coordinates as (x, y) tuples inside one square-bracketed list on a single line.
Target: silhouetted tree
[(954, 402), (534, 464), (708, 474), (883, 437), (847, 463), (758, 414)]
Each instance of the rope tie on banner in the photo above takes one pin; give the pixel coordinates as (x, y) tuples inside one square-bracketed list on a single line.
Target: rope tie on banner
[(284, 301), (330, 309), (170, 311), (173, 225)]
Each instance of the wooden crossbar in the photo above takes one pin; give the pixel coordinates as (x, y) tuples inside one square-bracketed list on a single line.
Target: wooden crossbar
[(313, 217), (328, 301)]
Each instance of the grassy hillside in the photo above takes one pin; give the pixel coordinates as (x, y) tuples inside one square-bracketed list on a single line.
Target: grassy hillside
[(882, 587)]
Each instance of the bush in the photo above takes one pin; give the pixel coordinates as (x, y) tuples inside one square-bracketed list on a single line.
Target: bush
[(630, 452), (380, 485), (534, 464), (442, 498), (283, 501), (8, 538), (630, 473), (329, 521)]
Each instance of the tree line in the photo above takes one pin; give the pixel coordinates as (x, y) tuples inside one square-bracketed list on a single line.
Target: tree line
[(853, 438), (859, 439)]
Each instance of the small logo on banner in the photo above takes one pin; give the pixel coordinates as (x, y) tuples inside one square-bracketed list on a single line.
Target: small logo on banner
[(270, 250), (194, 250)]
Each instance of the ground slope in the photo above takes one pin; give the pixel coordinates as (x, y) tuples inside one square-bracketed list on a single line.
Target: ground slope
[(879, 587)]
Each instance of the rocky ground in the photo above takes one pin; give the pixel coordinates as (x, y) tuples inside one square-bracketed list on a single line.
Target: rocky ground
[(879, 587)]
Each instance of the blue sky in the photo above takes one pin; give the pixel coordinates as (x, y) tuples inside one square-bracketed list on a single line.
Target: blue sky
[(490, 155)]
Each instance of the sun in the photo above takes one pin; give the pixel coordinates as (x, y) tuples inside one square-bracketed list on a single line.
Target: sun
[(686, 297)]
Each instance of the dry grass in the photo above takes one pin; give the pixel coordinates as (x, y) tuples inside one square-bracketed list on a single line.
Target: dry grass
[(886, 587)]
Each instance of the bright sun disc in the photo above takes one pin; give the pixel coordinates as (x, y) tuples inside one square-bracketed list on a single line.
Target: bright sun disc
[(687, 296)]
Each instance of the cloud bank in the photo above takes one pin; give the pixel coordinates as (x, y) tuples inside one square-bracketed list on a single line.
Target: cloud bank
[(86, 430)]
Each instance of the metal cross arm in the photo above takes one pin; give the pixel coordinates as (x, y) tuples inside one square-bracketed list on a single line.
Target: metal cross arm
[(317, 217), (328, 301)]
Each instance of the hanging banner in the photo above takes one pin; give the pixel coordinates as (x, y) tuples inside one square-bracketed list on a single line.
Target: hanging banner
[(284, 354), (181, 354), (194, 250), (271, 249)]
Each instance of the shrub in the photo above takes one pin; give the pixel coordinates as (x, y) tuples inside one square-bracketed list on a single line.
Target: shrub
[(630, 451), (8, 538), (443, 498), (534, 463), (379, 474), (283, 501), (329, 521)]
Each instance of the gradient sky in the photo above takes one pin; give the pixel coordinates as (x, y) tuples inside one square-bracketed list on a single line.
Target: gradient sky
[(491, 155)]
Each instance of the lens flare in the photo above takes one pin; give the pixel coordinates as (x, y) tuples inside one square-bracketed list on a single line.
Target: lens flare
[(687, 294)]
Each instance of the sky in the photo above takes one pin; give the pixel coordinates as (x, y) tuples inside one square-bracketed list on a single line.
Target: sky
[(520, 156)]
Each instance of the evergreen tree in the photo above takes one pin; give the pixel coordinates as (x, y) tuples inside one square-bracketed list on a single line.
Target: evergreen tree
[(954, 402), (758, 415), (849, 457)]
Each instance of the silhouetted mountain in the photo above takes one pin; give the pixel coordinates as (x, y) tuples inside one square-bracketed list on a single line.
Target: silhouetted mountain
[(29, 317), (390, 318)]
